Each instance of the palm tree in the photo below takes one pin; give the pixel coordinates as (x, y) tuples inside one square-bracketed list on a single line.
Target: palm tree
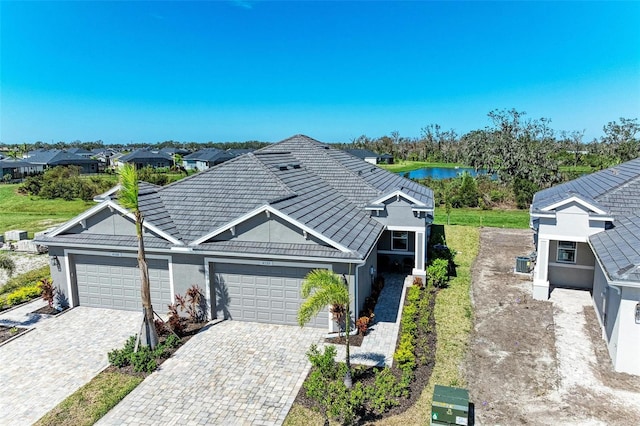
[(320, 288), (128, 198)]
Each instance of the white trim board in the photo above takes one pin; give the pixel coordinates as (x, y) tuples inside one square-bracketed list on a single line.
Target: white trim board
[(577, 200), (398, 193), (124, 212)]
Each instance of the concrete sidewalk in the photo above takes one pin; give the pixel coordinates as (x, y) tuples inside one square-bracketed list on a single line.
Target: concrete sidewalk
[(379, 344)]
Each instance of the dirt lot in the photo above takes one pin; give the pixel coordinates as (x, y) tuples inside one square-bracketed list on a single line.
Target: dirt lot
[(538, 363)]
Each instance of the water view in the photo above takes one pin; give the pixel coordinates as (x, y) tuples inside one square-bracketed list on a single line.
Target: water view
[(442, 173)]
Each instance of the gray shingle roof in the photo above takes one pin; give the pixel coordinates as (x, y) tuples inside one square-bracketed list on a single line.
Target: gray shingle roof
[(619, 249), (209, 154), (146, 154), (322, 188), (615, 190)]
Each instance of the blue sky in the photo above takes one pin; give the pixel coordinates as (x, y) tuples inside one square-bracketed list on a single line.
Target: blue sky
[(148, 71)]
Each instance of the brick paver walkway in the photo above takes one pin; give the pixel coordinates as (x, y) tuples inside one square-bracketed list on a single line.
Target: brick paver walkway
[(379, 344), (42, 367), (233, 373)]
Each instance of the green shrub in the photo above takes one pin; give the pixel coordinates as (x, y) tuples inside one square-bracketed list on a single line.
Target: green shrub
[(27, 279), (404, 355), (413, 294), (7, 263), (324, 362), (145, 359), (122, 357), (23, 294), (383, 394), (438, 272)]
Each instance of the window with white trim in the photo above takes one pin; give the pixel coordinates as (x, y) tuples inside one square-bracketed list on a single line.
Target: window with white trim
[(567, 251), (400, 240)]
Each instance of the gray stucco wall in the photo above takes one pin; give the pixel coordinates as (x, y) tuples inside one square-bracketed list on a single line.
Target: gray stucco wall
[(59, 273), (263, 229), (600, 293), (398, 213), (578, 274), (364, 279), (188, 270), (106, 222)]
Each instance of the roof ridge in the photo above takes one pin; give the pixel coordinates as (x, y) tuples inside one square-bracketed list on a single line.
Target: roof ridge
[(266, 169), (354, 174), (617, 188)]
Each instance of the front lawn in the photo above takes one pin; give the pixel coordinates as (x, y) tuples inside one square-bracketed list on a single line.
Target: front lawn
[(92, 401)]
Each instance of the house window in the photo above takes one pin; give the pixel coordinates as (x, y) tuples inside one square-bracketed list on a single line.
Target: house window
[(566, 251), (399, 240)]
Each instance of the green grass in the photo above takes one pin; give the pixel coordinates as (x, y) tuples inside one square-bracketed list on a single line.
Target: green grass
[(35, 214), (92, 401), (406, 166), (577, 169), (495, 218)]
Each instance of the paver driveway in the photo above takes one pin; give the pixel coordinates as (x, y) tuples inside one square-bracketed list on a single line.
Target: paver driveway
[(41, 368), (233, 373)]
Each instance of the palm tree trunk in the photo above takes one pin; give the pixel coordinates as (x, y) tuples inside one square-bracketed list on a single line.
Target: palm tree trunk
[(149, 335), (348, 381)]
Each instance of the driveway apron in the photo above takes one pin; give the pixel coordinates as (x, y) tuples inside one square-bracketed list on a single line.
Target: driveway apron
[(231, 373), (41, 368)]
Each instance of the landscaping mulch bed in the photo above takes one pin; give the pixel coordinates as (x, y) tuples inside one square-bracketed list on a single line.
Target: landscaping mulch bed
[(425, 361), (7, 333), (355, 340), (46, 310), (190, 330)]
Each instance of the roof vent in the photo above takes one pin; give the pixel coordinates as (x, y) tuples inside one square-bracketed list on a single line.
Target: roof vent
[(295, 165), (283, 166)]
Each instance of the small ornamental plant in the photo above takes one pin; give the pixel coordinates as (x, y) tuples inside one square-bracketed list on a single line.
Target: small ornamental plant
[(48, 291)]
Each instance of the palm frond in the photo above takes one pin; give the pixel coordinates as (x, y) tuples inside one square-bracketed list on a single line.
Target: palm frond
[(128, 193), (321, 288)]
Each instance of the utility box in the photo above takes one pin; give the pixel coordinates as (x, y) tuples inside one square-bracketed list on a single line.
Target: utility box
[(523, 264), (450, 406), (15, 235)]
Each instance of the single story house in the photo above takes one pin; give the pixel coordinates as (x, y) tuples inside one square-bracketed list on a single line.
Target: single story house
[(587, 235), (48, 158), (81, 152), (247, 232), (17, 169), (364, 154), (205, 159), (145, 157)]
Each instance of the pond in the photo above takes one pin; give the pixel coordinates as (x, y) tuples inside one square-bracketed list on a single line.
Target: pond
[(442, 173)]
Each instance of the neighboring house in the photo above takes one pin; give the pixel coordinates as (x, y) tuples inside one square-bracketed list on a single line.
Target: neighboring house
[(173, 151), (144, 157), (587, 235), (370, 156), (247, 232), (205, 159), (81, 152), (56, 157), (17, 169)]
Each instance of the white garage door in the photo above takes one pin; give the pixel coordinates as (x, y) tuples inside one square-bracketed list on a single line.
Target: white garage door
[(114, 282), (266, 294)]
